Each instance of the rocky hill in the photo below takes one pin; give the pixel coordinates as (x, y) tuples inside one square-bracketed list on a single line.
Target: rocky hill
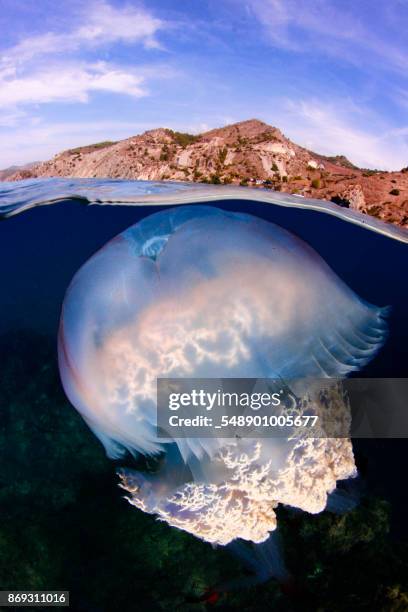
[(248, 153), (15, 170)]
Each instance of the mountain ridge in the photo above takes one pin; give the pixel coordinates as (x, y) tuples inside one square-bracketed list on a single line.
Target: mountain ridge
[(249, 152)]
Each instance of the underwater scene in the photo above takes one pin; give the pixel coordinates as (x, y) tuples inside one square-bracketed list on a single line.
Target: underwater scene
[(109, 286)]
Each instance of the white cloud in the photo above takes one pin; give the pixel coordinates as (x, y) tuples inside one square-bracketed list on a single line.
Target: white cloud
[(69, 83), (11, 118), (333, 129), (104, 24), (50, 67)]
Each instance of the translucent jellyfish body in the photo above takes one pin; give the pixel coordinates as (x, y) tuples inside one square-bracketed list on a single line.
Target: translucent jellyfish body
[(199, 292)]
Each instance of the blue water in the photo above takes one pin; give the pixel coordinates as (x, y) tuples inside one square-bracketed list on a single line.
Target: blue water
[(18, 196), (43, 247)]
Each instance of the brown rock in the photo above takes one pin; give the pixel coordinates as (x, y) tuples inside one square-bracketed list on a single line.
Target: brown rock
[(355, 196)]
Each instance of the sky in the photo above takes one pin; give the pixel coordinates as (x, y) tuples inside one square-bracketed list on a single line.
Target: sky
[(331, 74)]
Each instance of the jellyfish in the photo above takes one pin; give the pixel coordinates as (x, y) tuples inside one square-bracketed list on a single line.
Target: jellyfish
[(198, 292)]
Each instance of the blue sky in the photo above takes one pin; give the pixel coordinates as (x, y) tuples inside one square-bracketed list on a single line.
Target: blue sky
[(332, 74)]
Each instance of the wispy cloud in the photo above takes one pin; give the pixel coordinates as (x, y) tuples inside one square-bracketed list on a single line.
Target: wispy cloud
[(333, 28), (69, 83), (336, 128), (99, 25), (285, 19), (45, 68), (342, 64), (11, 118)]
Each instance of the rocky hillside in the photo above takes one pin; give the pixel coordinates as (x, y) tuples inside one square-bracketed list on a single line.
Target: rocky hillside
[(15, 170), (248, 153)]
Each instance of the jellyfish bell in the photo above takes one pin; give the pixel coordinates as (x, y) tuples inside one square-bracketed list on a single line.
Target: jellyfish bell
[(197, 292)]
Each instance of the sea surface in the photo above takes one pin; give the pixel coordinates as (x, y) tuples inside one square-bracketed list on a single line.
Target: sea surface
[(51, 227)]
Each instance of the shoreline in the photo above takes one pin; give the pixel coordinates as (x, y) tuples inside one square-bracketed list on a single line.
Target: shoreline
[(182, 193)]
